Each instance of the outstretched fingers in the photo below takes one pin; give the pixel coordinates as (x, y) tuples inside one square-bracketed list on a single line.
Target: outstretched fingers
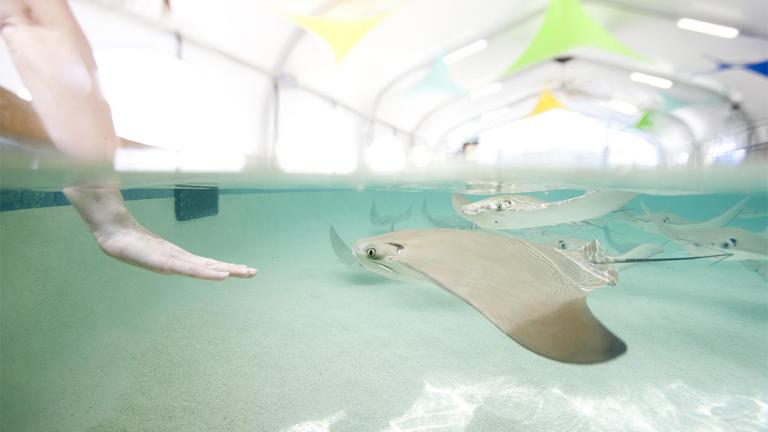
[(234, 270), (180, 267)]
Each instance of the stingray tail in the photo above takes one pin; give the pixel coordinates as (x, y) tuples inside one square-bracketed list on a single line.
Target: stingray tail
[(647, 260)]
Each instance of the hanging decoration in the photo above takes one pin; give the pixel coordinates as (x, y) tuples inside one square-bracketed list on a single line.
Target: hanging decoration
[(670, 103), (759, 67), (566, 26), (547, 101), (437, 80), (646, 121), (340, 34)]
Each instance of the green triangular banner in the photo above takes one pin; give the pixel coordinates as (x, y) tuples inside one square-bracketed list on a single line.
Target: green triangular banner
[(566, 26), (646, 121)]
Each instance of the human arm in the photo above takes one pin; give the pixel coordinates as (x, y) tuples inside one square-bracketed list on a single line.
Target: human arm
[(57, 66)]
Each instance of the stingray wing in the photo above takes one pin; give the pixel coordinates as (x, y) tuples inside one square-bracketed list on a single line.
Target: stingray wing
[(534, 294), (342, 251)]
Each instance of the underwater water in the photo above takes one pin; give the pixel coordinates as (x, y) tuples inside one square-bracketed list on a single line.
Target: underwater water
[(91, 344)]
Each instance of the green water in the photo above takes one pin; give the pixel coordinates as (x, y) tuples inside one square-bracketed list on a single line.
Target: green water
[(91, 344)]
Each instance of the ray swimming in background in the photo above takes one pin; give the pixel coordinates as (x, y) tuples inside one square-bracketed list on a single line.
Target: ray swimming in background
[(381, 220), (739, 243), (618, 247), (646, 221), (629, 254), (535, 294), (523, 211)]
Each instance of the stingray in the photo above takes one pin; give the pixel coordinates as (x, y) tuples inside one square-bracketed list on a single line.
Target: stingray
[(752, 213), (535, 294), (623, 261), (739, 244), (620, 247), (377, 219), (647, 222), (522, 211)]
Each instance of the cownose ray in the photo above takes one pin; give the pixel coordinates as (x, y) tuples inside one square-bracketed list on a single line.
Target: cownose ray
[(625, 247), (619, 247), (522, 211), (389, 220), (628, 252), (738, 243), (535, 294), (646, 221), (753, 213)]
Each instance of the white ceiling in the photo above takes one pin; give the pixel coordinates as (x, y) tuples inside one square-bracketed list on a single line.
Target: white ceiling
[(395, 54)]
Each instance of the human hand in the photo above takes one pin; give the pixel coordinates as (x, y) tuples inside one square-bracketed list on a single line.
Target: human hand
[(120, 236)]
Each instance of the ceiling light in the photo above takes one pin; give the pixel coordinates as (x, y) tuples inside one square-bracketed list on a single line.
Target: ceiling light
[(485, 90), (708, 28), (462, 53), (651, 80)]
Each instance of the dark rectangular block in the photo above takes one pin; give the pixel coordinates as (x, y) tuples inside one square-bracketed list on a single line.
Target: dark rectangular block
[(194, 203)]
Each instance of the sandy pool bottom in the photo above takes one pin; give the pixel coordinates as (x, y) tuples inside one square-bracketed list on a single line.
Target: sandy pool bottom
[(89, 344)]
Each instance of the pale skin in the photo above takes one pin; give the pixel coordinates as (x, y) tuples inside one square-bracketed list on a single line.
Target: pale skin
[(57, 66)]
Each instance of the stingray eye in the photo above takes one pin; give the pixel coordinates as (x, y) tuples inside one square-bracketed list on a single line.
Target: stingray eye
[(733, 241), (561, 244), (499, 206), (725, 245), (371, 252), (666, 219)]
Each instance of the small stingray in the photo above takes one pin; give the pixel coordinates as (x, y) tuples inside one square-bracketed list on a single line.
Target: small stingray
[(377, 219), (522, 211), (568, 243), (637, 255), (740, 244), (444, 223), (618, 247), (535, 294), (633, 252), (646, 222), (752, 213)]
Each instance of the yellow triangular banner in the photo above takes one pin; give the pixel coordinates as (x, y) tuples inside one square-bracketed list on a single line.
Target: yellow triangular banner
[(547, 101), (341, 34)]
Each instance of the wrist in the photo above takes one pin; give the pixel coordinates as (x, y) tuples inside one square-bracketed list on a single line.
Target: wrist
[(102, 208)]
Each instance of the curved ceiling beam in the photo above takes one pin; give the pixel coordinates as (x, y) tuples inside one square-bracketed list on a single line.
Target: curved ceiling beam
[(496, 33), (271, 102), (427, 63), (271, 75), (430, 114), (640, 10), (532, 95)]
